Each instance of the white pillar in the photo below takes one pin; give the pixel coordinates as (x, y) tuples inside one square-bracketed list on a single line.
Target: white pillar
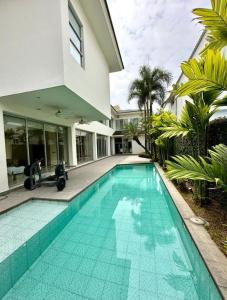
[(113, 145), (94, 142), (72, 145), (108, 146), (3, 173)]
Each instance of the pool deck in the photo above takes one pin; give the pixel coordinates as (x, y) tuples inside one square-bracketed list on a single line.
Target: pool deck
[(83, 176), (79, 179)]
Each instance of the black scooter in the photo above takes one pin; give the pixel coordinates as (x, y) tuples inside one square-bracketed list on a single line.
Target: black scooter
[(34, 176)]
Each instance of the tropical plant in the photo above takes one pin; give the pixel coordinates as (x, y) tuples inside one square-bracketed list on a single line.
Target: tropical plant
[(160, 120), (172, 95), (149, 88), (134, 131), (207, 73), (194, 120), (215, 23), (210, 169), (210, 71)]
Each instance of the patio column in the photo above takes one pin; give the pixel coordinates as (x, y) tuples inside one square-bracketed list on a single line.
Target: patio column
[(3, 178), (72, 145), (113, 145), (94, 140), (108, 146)]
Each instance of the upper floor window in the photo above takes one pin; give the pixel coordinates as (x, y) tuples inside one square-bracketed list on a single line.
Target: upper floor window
[(76, 37), (134, 121), (121, 123)]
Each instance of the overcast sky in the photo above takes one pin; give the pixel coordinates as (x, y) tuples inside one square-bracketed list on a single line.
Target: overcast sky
[(158, 32)]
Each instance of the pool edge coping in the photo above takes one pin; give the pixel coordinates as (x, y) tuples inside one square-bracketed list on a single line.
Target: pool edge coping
[(214, 259)]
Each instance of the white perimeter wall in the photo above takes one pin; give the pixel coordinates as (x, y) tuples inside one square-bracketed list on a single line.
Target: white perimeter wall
[(136, 149)]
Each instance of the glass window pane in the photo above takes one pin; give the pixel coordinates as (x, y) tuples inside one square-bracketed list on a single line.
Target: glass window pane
[(84, 146), (16, 149), (62, 144), (51, 146), (36, 142), (75, 53), (74, 38), (76, 26), (101, 145)]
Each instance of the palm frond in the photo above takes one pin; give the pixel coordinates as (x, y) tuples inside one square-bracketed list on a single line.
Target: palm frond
[(204, 74), (212, 169), (215, 22)]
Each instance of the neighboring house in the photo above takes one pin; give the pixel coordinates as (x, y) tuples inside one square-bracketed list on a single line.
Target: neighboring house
[(176, 108), (55, 60), (120, 143)]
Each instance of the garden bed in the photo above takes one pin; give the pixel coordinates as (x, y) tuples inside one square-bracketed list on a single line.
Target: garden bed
[(213, 214)]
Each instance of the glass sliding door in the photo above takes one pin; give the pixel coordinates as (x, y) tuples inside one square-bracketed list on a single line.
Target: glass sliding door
[(28, 140), (101, 145), (16, 148), (36, 142), (127, 146), (51, 146), (63, 144), (84, 146)]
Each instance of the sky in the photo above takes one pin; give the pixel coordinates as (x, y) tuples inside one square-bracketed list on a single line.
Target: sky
[(160, 33)]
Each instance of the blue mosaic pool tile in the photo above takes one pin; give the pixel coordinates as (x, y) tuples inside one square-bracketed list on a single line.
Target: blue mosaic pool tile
[(101, 270), (111, 291), (79, 284), (5, 276), (19, 263), (94, 289), (33, 249)]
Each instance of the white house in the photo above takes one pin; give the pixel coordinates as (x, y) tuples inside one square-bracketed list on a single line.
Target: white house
[(55, 60), (176, 108), (120, 143)]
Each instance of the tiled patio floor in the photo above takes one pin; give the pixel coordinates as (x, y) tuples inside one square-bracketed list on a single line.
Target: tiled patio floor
[(79, 179)]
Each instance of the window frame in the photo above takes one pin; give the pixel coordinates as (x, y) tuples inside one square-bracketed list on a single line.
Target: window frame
[(80, 38)]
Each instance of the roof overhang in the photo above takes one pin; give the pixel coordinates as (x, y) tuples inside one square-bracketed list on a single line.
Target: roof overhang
[(99, 17)]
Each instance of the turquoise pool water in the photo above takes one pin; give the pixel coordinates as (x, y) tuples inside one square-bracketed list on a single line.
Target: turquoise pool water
[(122, 238)]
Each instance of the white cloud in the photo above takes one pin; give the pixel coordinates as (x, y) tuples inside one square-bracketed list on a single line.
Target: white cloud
[(158, 32)]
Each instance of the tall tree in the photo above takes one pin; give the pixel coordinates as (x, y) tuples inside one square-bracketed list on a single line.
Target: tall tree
[(149, 88)]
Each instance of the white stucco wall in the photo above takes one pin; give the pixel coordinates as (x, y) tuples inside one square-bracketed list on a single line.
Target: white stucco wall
[(96, 127), (91, 82), (136, 149), (31, 56), (35, 52)]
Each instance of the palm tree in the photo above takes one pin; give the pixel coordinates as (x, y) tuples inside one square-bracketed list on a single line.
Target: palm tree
[(134, 131), (149, 88), (195, 119)]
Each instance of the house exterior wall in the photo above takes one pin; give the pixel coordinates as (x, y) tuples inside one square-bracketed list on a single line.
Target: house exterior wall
[(35, 52), (91, 82), (31, 54), (35, 56)]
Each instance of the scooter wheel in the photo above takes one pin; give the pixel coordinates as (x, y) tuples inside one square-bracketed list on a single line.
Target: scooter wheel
[(27, 183), (61, 184)]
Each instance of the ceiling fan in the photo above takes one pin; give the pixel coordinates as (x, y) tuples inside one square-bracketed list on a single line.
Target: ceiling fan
[(70, 115)]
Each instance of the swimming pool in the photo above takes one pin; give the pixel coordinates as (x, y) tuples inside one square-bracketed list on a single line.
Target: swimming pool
[(122, 238)]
